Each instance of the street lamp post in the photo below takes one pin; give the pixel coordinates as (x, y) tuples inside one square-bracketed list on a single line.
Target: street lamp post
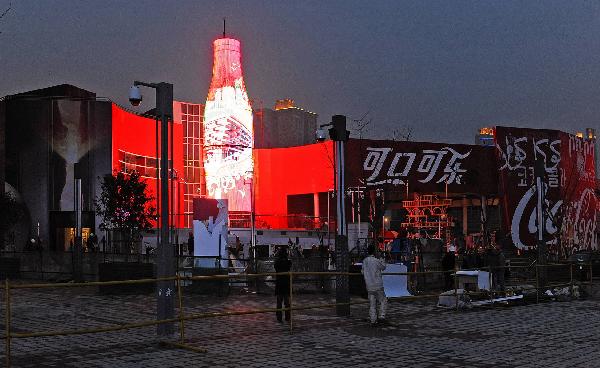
[(165, 266), (340, 135)]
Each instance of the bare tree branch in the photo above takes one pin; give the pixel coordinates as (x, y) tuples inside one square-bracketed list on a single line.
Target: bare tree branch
[(402, 133), (6, 11), (3, 14), (362, 124)]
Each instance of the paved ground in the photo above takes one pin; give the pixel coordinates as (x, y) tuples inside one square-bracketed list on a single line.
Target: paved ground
[(558, 334)]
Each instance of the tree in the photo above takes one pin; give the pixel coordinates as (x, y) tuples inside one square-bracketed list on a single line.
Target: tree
[(124, 206)]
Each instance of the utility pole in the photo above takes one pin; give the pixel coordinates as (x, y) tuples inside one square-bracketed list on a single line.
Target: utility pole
[(164, 265), (539, 171), (78, 243)]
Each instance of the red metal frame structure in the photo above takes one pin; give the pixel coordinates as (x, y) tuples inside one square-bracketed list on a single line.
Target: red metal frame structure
[(427, 212)]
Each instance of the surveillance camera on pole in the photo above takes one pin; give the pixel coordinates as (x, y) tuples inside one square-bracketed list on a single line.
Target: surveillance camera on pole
[(135, 96), (321, 135)]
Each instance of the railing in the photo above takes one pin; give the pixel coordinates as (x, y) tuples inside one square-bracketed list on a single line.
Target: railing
[(266, 221), (181, 317), (299, 222)]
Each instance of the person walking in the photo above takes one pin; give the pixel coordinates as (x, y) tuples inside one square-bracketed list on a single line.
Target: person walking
[(371, 269), (282, 283)]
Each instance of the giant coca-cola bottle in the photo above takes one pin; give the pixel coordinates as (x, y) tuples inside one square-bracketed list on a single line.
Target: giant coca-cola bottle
[(228, 135)]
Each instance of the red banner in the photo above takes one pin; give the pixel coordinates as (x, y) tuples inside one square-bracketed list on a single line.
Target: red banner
[(569, 202), (204, 208), (578, 174)]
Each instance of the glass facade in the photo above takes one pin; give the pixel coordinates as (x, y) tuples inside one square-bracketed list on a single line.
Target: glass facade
[(190, 116), (144, 165)]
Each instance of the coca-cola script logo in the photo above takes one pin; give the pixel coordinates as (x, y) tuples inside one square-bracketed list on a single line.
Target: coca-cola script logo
[(526, 215), (435, 166)]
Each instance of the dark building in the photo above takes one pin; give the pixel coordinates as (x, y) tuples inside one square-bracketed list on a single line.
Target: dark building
[(53, 136), (58, 134), (2, 145)]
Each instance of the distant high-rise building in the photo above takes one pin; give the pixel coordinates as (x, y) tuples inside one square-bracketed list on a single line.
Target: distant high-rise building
[(590, 135), (285, 126), (485, 137), (228, 131)]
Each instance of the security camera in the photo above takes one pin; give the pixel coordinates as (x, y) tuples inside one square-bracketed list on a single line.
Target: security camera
[(135, 96), (321, 135)]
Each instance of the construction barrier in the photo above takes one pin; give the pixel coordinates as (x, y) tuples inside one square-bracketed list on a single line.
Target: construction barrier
[(181, 318)]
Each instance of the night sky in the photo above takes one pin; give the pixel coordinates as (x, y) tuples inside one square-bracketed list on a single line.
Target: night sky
[(443, 68)]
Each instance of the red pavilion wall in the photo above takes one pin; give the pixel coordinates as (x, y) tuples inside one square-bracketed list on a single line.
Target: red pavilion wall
[(280, 172), (136, 135)]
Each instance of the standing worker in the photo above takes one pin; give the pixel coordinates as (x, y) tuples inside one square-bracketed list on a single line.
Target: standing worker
[(282, 282), (371, 269), (500, 272), (448, 263)]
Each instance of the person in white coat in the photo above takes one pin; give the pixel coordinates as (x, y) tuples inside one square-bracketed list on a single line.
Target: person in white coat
[(371, 269)]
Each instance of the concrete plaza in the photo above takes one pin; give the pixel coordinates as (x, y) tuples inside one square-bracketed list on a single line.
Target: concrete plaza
[(552, 334)]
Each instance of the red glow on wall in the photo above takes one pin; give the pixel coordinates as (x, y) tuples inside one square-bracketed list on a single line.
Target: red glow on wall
[(134, 148), (280, 172)]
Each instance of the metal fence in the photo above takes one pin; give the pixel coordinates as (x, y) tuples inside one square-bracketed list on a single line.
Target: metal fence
[(567, 278)]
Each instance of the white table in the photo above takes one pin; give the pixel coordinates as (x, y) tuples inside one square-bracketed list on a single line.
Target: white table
[(479, 278)]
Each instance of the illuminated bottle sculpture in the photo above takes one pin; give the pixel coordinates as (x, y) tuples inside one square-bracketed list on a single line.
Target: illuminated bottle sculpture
[(228, 133)]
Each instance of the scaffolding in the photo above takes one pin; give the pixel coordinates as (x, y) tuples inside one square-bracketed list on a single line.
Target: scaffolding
[(428, 213)]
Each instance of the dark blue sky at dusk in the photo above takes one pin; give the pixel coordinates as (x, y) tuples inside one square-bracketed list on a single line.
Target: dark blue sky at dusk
[(444, 68)]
